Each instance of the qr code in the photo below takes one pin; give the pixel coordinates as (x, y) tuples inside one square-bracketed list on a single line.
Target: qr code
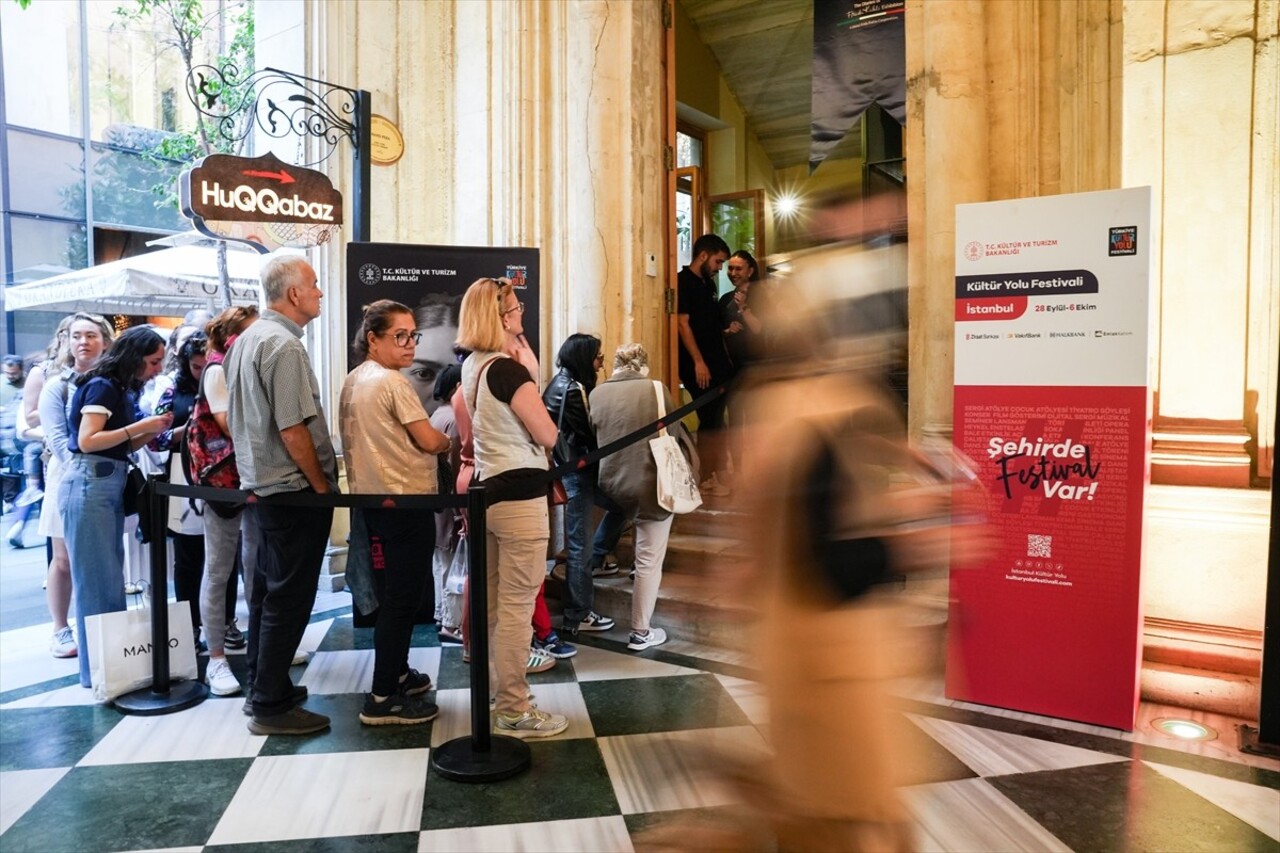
[(1039, 546)]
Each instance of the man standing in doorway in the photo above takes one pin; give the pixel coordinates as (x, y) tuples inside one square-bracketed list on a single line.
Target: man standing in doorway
[(282, 448), (704, 362)]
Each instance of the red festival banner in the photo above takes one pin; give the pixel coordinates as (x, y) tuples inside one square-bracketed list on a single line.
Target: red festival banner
[(1052, 402)]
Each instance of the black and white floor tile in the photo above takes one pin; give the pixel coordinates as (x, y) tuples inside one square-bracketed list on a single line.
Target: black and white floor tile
[(77, 776)]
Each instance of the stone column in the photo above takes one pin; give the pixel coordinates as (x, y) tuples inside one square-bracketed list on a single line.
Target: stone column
[(1004, 101), (1201, 82), (529, 122), (947, 164)]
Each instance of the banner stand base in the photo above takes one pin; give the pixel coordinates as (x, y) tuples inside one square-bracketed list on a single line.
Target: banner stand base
[(460, 761), (146, 702), (1249, 742)]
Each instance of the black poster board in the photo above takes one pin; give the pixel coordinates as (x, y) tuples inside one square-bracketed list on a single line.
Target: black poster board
[(431, 281)]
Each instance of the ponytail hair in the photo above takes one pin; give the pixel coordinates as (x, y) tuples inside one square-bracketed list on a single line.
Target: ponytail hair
[(377, 319)]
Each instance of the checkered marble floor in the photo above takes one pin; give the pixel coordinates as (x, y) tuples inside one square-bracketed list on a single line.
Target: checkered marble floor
[(76, 776)]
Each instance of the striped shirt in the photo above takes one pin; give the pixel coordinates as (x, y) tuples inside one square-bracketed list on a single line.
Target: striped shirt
[(272, 387)]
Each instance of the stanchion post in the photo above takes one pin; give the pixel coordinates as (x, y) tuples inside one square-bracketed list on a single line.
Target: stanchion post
[(163, 696), (478, 640), (157, 508), (481, 757)]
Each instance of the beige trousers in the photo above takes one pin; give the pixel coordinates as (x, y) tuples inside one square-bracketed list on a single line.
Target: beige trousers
[(516, 562)]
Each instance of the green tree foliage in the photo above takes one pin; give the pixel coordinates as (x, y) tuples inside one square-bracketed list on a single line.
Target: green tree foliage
[(185, 26)]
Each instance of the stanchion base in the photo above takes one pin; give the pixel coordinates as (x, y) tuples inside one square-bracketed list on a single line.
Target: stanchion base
[(1250, 743), (459, 761), (145, 702)]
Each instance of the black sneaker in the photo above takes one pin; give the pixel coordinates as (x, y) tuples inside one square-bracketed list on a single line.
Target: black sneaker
[(299, 696), (595, 622), (234, 637), (297, 721), (398, 710), (413, 682)]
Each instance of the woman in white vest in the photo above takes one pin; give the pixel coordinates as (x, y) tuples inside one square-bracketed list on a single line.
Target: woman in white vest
[(512, 433)]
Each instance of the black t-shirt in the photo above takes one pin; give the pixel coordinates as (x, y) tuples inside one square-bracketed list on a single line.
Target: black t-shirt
[(504, 377), (743, 345), (696, 296)]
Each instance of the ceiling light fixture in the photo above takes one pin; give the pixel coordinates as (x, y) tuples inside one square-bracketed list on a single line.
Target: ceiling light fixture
[(786, 205)]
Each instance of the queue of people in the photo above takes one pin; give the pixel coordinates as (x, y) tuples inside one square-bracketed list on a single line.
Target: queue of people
[(244, 379)]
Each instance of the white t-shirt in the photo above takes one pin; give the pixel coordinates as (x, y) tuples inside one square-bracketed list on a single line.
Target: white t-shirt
[(215, 388)]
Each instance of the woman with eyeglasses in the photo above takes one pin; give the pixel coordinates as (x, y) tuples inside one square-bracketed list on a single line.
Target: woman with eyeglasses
[(390, 447), (512, 432)]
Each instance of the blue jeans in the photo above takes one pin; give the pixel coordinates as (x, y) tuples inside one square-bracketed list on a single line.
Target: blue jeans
[(92, 501), (583, 496)]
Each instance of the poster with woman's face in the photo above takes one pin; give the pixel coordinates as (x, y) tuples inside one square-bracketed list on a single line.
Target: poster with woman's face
[(430, 281)]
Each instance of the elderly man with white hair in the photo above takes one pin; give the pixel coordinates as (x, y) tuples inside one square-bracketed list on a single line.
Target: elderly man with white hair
[(282, 448)]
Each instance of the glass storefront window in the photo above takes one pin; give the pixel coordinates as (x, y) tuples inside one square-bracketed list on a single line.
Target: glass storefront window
[(125, 186), (49, 244), (46, 175), (42, 66), (137, 76)]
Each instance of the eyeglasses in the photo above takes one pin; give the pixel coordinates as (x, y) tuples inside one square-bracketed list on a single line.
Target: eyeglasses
[(599, 357), (402, 338), (519, 308)]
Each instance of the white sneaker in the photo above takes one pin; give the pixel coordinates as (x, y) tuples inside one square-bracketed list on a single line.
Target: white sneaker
[(222, 681), (533, 723), (539, 661), (712, 486), (63, 644), (300, 657), (640, 642)]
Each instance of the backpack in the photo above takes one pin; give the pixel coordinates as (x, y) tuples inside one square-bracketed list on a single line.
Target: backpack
[(208, 455)]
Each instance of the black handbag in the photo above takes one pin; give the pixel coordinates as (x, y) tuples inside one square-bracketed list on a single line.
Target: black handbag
[(137, 501), (135, 485)]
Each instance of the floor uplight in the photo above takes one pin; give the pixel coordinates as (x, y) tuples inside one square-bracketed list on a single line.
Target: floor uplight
[(1183, 729)]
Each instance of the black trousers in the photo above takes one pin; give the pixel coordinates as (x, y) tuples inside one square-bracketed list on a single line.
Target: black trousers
[(284, 591), (188, 569), (406, 539)]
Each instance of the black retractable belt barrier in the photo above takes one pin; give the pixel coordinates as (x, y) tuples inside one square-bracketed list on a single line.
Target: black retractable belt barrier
[(479, 758), (482, 757), (163, 696)]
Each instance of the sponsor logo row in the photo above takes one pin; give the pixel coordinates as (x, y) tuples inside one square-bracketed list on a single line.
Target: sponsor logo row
[(993, 336)]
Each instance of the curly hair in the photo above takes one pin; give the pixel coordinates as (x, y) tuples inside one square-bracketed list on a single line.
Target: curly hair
[(124, 360), (228, 324)]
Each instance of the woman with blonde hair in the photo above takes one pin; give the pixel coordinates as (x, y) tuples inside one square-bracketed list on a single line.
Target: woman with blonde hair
[(512, 432), (85, 338)]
